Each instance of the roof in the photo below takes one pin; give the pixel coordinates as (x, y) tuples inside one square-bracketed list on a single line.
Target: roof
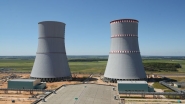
[(132, 82), (176, 83), (23, 80), (83, 94)]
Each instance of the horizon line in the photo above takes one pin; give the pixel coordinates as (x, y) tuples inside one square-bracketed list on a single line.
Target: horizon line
[(97, 55)]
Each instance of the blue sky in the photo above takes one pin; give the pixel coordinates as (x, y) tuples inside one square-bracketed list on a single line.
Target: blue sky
[(161, 25)]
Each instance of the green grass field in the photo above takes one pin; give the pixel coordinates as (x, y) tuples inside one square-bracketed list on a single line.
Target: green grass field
[(17, 64), (159, 86), (88, 67), (26, 65)]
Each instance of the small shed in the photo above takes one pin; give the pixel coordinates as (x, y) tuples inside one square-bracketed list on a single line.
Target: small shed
[(132, 86), (23, 83)]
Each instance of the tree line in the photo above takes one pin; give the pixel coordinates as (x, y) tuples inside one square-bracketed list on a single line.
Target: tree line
[(161, 66)]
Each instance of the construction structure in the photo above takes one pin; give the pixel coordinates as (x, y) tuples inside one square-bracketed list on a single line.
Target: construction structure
[(51, 63), (26, 84), (124, 62), (134, 86)]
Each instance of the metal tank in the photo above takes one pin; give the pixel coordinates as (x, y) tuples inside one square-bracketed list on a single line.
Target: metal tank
[(51, 62), (124, 62)]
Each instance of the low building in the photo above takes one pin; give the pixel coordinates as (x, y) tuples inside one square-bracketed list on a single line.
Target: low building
[(134, 86), (26, 84), (178, 85)]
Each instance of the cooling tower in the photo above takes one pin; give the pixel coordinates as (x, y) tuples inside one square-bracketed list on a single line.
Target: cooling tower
[(124, 62), (51, 61)]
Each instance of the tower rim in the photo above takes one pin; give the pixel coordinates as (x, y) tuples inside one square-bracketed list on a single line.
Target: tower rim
[(118, 20), (51, 22)]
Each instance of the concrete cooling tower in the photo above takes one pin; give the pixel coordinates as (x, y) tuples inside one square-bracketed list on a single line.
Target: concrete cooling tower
[(51, 61), (124, 62)]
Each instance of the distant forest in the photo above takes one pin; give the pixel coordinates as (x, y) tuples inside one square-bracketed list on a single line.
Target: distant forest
[(161, 66)]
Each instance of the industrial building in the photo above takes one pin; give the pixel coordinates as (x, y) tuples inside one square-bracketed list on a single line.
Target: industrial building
[(26, 84), (124, 62), (51, 61), (134, 86)]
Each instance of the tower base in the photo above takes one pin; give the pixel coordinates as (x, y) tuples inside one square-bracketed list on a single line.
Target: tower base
[(114, 80), (53, 79)]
